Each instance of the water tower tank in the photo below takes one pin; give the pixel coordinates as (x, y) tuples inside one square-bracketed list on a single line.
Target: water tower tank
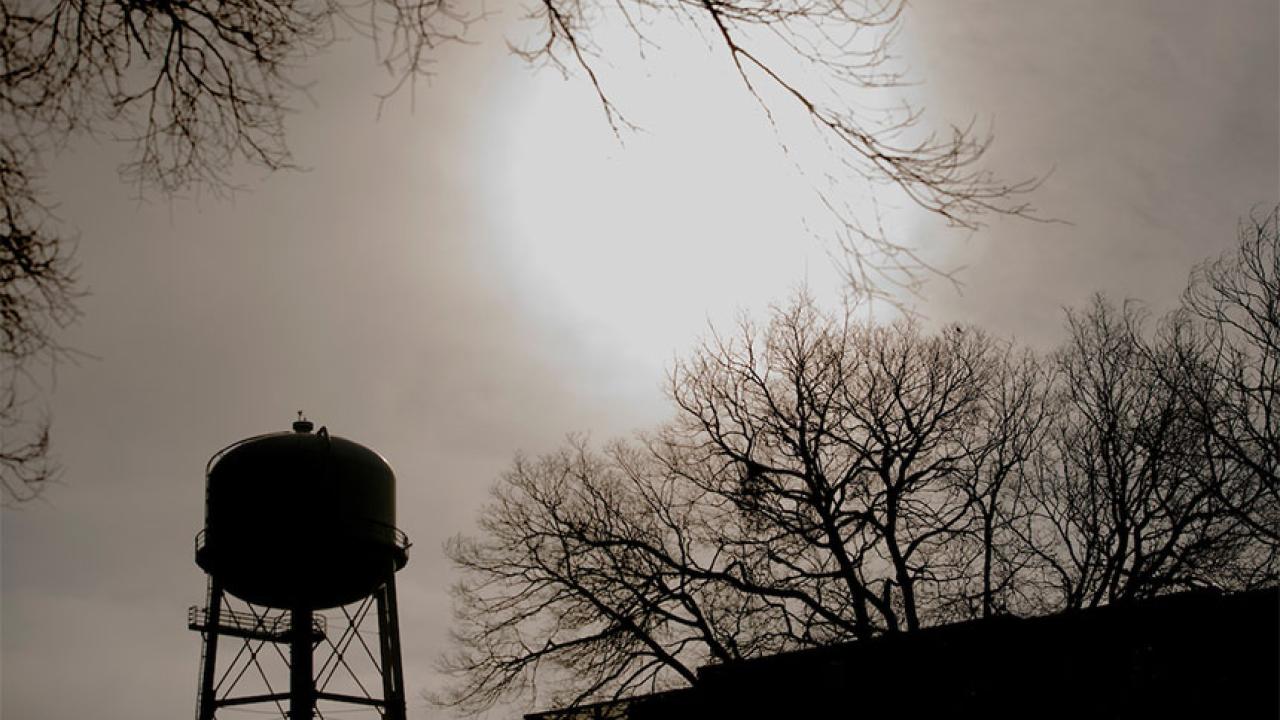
[(300, 520)]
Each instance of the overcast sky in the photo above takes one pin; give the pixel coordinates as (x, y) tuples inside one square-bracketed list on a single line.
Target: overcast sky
[(483, 273)]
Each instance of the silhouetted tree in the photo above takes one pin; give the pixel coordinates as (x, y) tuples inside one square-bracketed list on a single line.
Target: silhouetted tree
[(849, 444), (826, 479), (203, 83), (1120, 508), (586, 576), (1227, 344), (200, 85), (37, 298), (993, 567)]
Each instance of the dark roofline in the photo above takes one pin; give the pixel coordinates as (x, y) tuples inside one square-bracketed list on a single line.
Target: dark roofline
[(1185, 600), (1167, 616)]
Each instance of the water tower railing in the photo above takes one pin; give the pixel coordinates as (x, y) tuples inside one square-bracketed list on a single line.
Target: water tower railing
[(244, 624), (398, 536)]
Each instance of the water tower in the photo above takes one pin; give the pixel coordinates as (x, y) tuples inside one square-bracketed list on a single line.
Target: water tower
[(295, 523)]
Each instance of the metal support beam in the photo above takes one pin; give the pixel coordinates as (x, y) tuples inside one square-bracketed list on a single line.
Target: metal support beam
[(389, 642), (302, 688), (302, 629), (206, 703), (351, 699), (252, 699)]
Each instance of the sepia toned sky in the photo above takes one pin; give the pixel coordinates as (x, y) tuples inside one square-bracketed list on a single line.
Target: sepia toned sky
[(490, 269)]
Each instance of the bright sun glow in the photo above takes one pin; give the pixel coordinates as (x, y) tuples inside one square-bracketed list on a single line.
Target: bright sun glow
[(647, 236)]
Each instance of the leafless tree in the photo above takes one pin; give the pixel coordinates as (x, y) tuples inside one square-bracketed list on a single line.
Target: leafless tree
[(203, 84), (196, 86), (993, 569), (810, 62), (1126, 503), (881, 452), (1228, 341), (814, 59), (37, 298), (200, 86), (586, 576), (763, 415), (824, 480), (827, 479)]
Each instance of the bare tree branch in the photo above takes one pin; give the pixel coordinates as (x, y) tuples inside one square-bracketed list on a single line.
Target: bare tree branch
[(830, 480)]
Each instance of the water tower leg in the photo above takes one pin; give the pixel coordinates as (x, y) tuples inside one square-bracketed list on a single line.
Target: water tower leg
[(302, 689), (389, 638), (206, 705)]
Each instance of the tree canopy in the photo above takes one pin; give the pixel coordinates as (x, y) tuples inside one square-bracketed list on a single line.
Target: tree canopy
[(827, 479)]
